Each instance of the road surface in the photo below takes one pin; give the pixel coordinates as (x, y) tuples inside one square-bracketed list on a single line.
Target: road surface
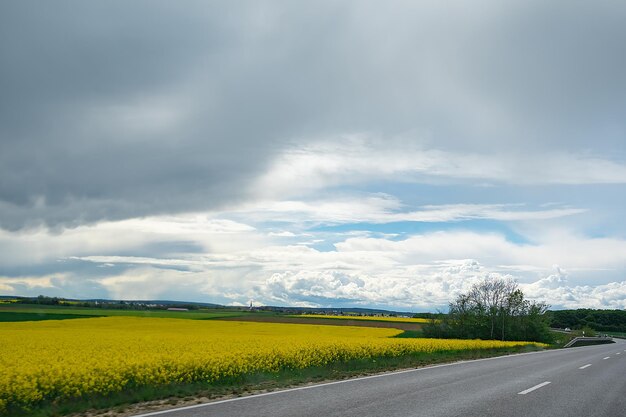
[(583, 381)]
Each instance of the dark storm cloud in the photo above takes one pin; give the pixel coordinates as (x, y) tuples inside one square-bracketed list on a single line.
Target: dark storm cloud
[(112, 110), (73, 76)]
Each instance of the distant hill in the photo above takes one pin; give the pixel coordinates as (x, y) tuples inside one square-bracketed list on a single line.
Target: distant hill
[(327, 310), (147, 304), (106, 303), (600, 320)]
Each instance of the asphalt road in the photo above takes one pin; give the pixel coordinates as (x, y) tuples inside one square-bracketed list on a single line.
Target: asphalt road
[(584, 381)]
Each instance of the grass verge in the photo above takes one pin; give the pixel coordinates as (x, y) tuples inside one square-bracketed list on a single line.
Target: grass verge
[(560, 339), (185, 394)]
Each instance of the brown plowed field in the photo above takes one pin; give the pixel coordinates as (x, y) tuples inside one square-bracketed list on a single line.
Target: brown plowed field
[(329, 322)]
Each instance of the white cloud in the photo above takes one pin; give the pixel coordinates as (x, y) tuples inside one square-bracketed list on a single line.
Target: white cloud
[(282, 234), (557, 292), (382, 208), (35, 284), (231, 261), (578, 253), (110, 238), (421, 271), (138, 260), (432, 287), (33, 281), (152, 284), (355, 159), (429, 270)]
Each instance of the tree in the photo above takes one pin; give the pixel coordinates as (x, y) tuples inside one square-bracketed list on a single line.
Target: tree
[(492, 297), (493, 308)]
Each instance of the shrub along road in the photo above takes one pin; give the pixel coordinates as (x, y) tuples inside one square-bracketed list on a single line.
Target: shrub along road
[(581, 381)]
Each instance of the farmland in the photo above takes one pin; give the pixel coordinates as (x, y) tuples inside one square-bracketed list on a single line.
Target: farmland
[(47, 363), (323, 320), (15, 312), (366, 318)]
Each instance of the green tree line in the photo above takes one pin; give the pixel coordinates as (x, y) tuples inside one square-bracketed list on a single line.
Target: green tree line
[(599, 320), (493, 309)]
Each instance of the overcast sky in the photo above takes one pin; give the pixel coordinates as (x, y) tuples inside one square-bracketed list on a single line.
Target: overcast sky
[(322, 153)]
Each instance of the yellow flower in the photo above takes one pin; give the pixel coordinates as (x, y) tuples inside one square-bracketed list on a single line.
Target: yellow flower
[(60, 360)]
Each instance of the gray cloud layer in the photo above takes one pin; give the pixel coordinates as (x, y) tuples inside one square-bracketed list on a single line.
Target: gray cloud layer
[(120, 109)]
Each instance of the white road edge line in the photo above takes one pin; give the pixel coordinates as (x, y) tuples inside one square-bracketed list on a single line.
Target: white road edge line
[(585, 366), (531, 389), (608, 357)]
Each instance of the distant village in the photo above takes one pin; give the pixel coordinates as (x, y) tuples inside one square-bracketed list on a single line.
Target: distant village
[(190, 306)]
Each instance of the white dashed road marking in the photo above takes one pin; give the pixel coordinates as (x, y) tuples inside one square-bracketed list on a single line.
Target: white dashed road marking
[(531, 389)]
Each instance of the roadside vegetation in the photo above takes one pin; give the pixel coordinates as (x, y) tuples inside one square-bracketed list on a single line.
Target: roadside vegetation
[(493, 309)]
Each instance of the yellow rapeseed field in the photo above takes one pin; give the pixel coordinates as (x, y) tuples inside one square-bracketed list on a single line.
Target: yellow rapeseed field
[(371, 318), (60, 360)]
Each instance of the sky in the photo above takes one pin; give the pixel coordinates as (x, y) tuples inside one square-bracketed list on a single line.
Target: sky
[(345, 154)]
